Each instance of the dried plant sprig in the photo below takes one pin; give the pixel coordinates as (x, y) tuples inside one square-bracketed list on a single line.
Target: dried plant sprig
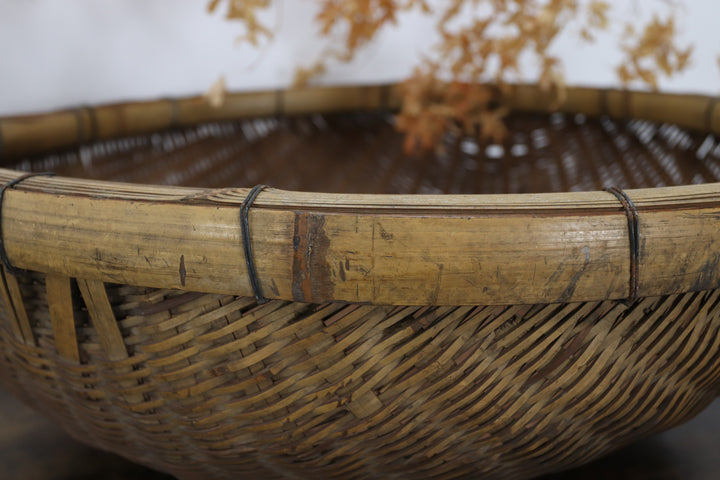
[(246, 12), (424, 114), (215, 95), (597, 18), (653, 52), (363, 19), (303, 75), (490, 42), (358, 21), (431, 107), (481, 41), (488, 47)]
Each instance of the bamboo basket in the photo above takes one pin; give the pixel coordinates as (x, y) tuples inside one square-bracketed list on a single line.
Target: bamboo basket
[(500, 317)]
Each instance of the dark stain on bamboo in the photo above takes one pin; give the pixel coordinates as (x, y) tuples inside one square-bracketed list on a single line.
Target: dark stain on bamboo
[(341, 271), (573, 282), (708, 275), (385, 235), (311, 273), (182, 270), (274, 287)]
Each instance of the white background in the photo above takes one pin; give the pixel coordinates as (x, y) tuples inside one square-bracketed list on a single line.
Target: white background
[(61, 53)]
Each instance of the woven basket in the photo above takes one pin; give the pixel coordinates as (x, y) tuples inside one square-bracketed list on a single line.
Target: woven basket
[(502, 335)]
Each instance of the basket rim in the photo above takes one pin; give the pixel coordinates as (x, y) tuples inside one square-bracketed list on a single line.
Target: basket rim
[(32, 133), (362, 248), (378, 249)]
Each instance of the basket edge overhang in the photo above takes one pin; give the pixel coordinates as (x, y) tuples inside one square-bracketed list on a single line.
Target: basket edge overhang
[(378, 249)]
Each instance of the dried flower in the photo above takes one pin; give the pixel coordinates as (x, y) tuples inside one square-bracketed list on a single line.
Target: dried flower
[(246, 11), (303, 74), (216, 93), (481, 42), (652, 53)]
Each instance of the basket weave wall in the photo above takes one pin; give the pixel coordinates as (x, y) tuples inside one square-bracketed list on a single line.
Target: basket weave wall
[(489, 336)]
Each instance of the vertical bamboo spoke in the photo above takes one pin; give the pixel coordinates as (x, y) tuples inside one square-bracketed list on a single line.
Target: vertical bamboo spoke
[(19, 321), (111, 339), (62, 316), (103, 318)]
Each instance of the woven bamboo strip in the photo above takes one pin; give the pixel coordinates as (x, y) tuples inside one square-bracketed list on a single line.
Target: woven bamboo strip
[(15, 307), (444, 384), (103, 319), (33, 133), (62, 316), (10, 314), (111, 339)]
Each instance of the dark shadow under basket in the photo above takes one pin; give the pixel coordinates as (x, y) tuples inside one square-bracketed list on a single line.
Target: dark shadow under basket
[(528, 327)]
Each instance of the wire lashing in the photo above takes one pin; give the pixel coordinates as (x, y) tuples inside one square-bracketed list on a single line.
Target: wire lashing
[(633, 219), (247, 245), (9, 267)]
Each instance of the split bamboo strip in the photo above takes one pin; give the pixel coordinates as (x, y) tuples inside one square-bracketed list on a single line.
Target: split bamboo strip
[(62, 316), (101, 313), (106, 326), (15, 307)]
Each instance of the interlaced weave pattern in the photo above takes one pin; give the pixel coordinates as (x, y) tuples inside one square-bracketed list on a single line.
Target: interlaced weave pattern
[(219, 387), (361, 153)]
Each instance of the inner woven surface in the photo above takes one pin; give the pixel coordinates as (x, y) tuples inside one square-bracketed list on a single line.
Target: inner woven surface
[(362, 153)]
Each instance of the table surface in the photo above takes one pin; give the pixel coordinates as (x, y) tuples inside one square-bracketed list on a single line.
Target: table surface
[(33, 448)]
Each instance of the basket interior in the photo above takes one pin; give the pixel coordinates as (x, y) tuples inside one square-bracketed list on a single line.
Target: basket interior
[(362, 153)]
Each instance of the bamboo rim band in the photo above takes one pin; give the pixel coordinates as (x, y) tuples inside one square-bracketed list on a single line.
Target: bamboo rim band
[(3, 253)]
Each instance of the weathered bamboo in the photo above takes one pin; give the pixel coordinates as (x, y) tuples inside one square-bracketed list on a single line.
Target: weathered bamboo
[(416, 335), (62, 316), (400, 250), (35, 133), (14, 306)]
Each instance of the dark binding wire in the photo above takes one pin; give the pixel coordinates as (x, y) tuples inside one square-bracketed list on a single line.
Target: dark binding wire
[(633, 219), (3, 253), (245, 227)]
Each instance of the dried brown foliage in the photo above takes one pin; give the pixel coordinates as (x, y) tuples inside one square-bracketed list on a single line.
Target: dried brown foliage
[(481, 42), (653, 52), (362, 19), (303, 75), (432, 107), (358, 21), (246, 12), (215, 95), (488, 45)]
